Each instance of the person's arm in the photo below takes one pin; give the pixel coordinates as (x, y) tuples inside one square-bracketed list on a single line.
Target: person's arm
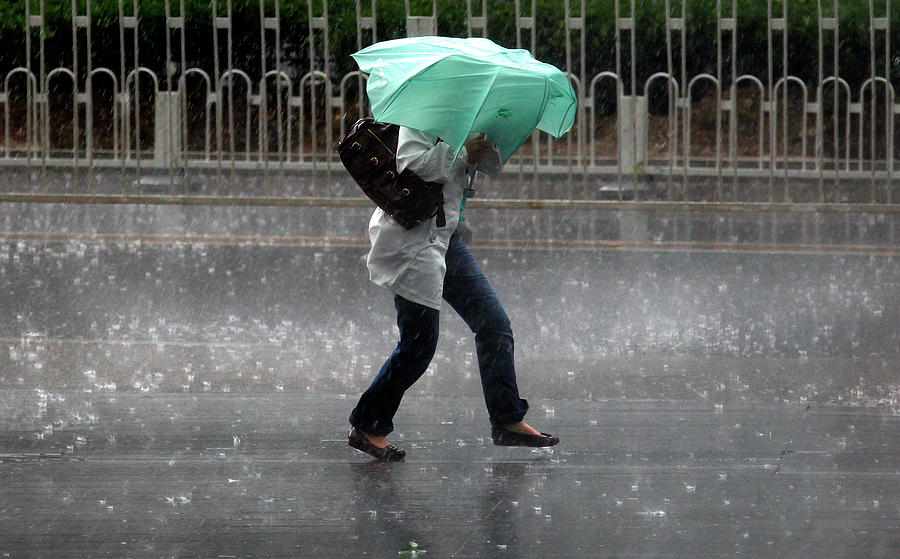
[(483, 153), (418, 152)]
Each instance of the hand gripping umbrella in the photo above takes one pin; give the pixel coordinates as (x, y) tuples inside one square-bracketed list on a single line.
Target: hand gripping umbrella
[(452, 87)]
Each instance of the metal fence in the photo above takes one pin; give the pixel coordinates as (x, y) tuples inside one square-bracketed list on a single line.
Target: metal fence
[(719, 137)]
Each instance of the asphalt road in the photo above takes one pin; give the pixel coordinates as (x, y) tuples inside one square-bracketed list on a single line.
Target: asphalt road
[(270, 475), (175, 387)]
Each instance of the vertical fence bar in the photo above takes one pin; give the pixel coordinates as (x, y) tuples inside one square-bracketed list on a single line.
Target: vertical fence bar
[(628, 24), (718, 105), (729, 24), (778, 24), (619, 99), (421, 25), (87, 97), (884, 24), (272, 24), (634, 90), (476, 22), (820, 100), (871, 103), (890, 97), (182, 97), (4, 99), (137, 92), (173, 23), (769, 103), (279, 84), (672, 24), (582, 83), (223, 23), (686, 100), (122, 95), (680, 101), (131, 22), (527, 23), (368, 23), (170, 125), (828, 24), (671, 102), (574, 23), (76, 94), (784, 115), (548, 141), (311, 53), (321, 24), (261, 101), (890, 105), (684, 103), (29, 96), (35, 100), (837, 104), (214, 10), (180, 23)]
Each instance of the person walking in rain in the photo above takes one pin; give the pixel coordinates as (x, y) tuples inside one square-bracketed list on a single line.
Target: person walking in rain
[(421, 267)]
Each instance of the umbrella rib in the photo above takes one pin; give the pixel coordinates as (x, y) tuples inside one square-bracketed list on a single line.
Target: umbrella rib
[(484, 97), (539, 117)]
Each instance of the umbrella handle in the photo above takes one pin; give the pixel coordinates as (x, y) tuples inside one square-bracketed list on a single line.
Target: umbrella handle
[(468, 192)]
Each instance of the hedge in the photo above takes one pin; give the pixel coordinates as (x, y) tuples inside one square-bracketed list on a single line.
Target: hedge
[(600, 38)]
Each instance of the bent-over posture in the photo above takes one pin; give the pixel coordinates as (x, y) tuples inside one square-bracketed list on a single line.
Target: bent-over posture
[(423, 266)]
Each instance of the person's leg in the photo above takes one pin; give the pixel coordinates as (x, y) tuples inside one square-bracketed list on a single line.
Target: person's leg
[(468, 291), (418, 339)]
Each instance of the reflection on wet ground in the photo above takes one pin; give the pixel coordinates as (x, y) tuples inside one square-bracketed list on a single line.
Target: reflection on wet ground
[(271, 475), (218, 317), (189, 399)]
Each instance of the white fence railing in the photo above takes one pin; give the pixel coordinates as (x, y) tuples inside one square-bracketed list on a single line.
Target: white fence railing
[(733, 133)]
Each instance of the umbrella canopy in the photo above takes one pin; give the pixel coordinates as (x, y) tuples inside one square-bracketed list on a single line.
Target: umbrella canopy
[(452, 87)]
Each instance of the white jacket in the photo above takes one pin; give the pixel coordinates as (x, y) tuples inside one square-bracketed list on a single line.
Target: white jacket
[(411, 262)]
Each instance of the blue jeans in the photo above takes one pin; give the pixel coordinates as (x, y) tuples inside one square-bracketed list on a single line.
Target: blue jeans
[(468, 292)]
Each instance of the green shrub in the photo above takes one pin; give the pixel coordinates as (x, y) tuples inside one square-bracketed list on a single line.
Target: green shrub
[(855, 55)]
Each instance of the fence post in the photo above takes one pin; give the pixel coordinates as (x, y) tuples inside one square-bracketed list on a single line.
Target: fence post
[(476, 22), (421, 26), (168, 122), (632, 126)]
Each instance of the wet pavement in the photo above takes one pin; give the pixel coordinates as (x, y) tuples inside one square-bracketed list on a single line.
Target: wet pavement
[(183, 395), (270, 475)]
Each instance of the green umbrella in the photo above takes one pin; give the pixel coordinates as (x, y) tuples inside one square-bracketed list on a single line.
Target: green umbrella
[(452, 87)]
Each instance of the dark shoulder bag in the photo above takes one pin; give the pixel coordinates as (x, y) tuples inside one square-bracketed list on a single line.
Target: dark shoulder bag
[(369, 154)]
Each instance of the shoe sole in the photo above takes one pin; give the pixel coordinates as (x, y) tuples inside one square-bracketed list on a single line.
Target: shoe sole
[(509, 438)]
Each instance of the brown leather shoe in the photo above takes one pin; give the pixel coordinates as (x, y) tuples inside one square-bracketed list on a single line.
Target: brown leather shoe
[(390, 453), (502, 437)]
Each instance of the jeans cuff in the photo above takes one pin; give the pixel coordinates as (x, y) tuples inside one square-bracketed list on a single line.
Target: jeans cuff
[(511, 417), (375, 430)]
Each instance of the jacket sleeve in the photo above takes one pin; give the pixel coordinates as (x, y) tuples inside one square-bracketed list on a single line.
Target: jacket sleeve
[(418, 152)]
